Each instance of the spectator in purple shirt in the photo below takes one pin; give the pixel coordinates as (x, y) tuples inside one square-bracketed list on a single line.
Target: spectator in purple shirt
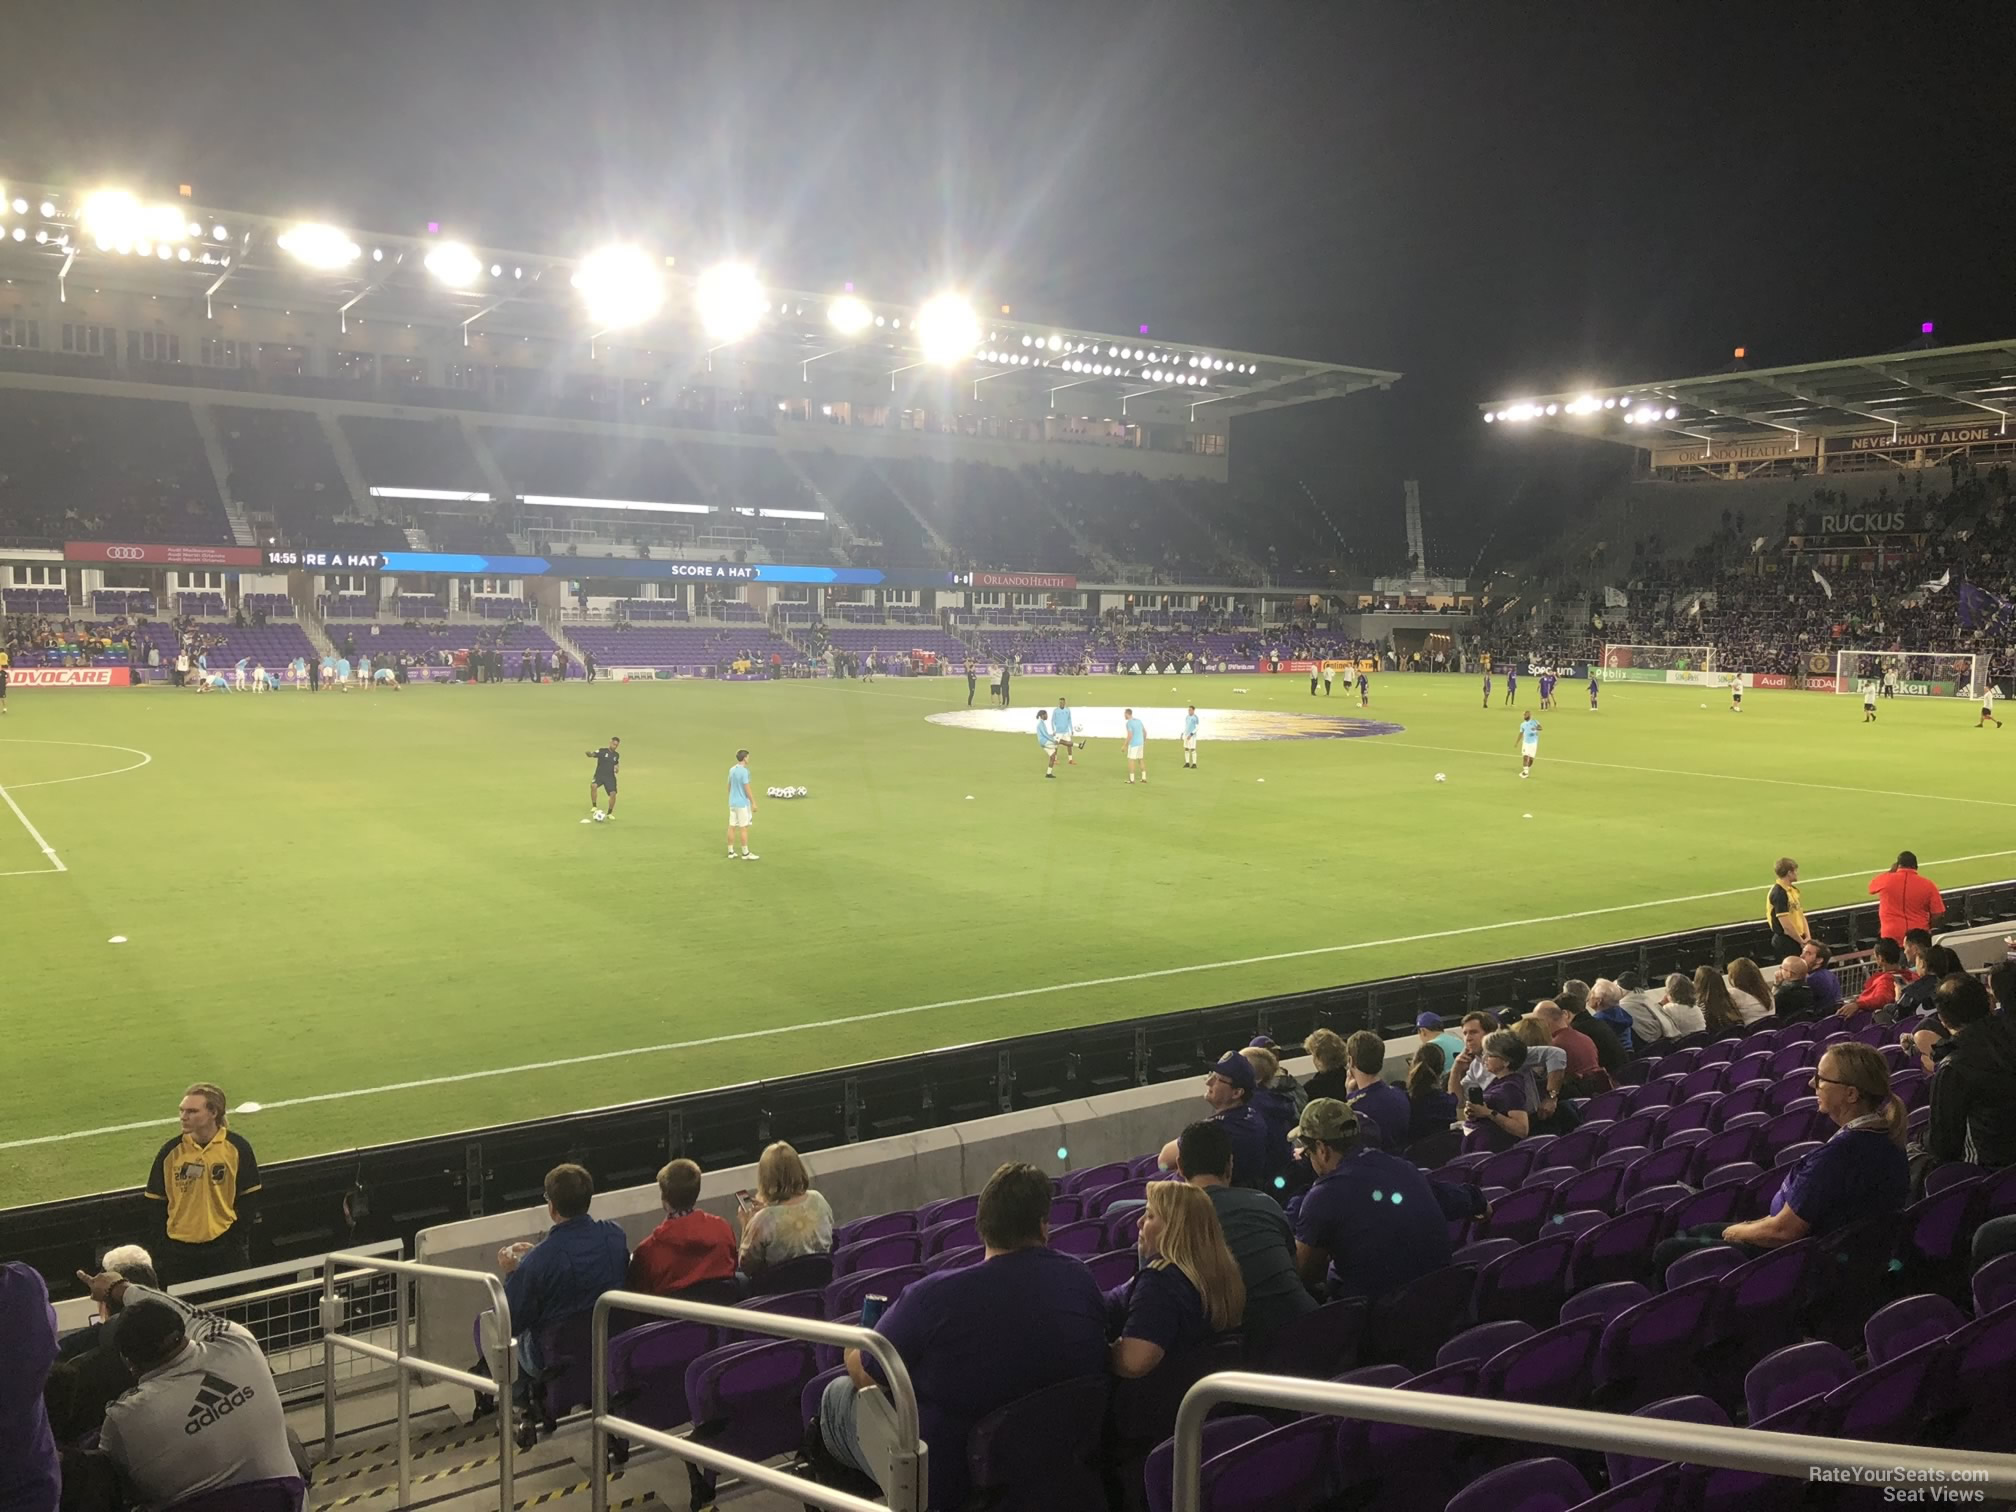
[(1382, 1108), (1229, 1089), (1820, 977), (1188, 1289), (973, 1340), (30, 1480), (1501, 1113), (1372, 1221)]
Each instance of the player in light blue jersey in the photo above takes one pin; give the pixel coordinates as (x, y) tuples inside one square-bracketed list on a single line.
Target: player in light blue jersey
[(1190, 723), (1487, 690), (385, 677), (364, 671), (1060, 726), (343, 673), (1137, 746), (741, 807), (1529, 742), (241, 670), (1046, 742)]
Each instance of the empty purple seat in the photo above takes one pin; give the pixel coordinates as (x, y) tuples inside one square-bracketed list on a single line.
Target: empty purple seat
[(1702, 1079), (1549, 1176), (1220, 1435), (1890, 1402), (1751, 1097), (1529, 1284), (1692, 1114), (1085, 1238), (1113, 1268), (1794, 1153), (1908, 1322), (1479, 1252), (1141, 1167), (1981, 1382), (1761, 1299), (955, 1259), (1678, 1062), (1123, 1228), (879, 1253), (1666, 1164), (1507, 1168), (1937, 1229), (1605, 1106), (1788, 1059), (1605, 1301), (1396, 1465), (1994, 1285), (1066, 1208), (1721, 1052), (1408, 1325), (1788, 1127), (1590, 1189), (1103, 1200), (1037, 1453), (1520, 1216), (1577, 1150), (1094, 1177), (1534, 1485), (1638, 1129), (1650, 1350), (1622, 1155), (1672, 1194), (1674, 1409), (647, 1371), (1713, 1205), (1617, 1250), (1477, 1344), (1796, 1373), (954, 1233), (1785, 1089), (1654, 1092), (1552, 1368), (1714, 1262), (1576, 1223), (946, 1209), (1755, 1066), (1736, 1173), (1954, 1173), (844, 1294), (1288, 1467), (745, 1397)]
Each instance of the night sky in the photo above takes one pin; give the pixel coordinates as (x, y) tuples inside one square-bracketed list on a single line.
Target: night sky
[(1491, 198)]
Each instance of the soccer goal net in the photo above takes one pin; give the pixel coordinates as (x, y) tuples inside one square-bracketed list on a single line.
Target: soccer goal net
[(1662, 664), (1914, 674)]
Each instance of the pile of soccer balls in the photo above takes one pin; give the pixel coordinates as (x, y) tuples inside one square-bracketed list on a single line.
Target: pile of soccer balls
[(787, 792)]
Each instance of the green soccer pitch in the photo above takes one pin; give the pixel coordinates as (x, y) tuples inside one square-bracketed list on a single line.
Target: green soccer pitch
[(379, 916)]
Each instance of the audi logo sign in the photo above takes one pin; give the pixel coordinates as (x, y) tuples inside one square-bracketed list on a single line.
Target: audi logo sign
[(162, 556), (125, 554)]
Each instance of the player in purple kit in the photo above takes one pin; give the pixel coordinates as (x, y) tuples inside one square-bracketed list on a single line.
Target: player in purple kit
[(1511, 684), (1546, 690), (1592, 687)]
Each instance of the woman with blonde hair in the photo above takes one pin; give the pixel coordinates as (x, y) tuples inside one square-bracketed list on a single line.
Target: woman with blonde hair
[(1748, 990), (786, 1218), (1718, 1009), (1188, 1288), (1333, 1065), (1860, 1172)]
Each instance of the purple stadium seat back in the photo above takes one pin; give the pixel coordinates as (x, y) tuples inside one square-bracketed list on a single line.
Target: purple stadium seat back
[(746, 1397), (1678, 1062), (953, 1233), (1784, 1090), (798, 1304), (1113, 1268), (1406, 1466), (1849, 1276), (1787, 1059), (1755, 1066), (1123, 1228), (1793, 1153), (1691, 1114), (946, 1209), (1666, 1164), (1605, 1301), (1622, 1155), (1666, 1489), (1751, 1097), (1606, 1106), (1760, 1189), (647, 1370), (1649, 1350), (1890, 1402), (1479, 1252), (1577, 1150), (1528, 1285), (1507, 1168), (1661, 1197), (955, 1259), (1320, 1344), (1952, 1174), (1982, 1382), (1937, 1229), (1588, 1189), (1654, 1092), (1712, 1263), (1479, 1343), (1220, 1435), (1794, 1374), (1534, 1485), (1721, 1052), (1903, 1325), (1037, 1452), (1638, 1129), (278, 1495), (1737, 1173), (1288, 1467), (873, 1228), (879, 1253), (1702, 1079), (844, 1295), (1066, 1208), (1549, 1176), (1673, 1409), (1787, 1127), (1635, 1072), (1618, 1250), (1409, 1324), (1102, 1200), (1085, 1238), (567, 1379), (1093, 1177), (1552, 1368), (1994, 1285), (1715, 1205), (1520, 1216), (1577, 1223), (1141, 1167)]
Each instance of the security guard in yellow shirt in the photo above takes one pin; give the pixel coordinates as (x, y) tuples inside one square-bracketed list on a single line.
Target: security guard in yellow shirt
[(203, 1177)]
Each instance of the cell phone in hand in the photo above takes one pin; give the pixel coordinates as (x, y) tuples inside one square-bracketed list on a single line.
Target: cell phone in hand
[(1475, 1095)]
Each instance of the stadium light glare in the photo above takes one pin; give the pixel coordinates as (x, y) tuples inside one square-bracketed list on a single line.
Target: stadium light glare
[(42, 239), (620, 286), (849, 315), (115, 216), (21, 234), (318, 246), (1489, 417), (20, 206), (182, 254), (948, 330), (218, 233), (1055, 343), (731, 301), (1553, 409), (1610, 403), (195, 228), (48, 208), (454, 264), (1672, 414)]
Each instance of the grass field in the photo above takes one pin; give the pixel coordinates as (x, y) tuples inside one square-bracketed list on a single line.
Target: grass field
[(379, 916)]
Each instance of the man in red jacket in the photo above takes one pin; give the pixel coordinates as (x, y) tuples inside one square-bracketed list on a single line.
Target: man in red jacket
[(1904, 900)]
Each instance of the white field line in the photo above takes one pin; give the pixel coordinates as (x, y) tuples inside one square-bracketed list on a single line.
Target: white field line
[(89, 745), (55, 861), (968, 1002)]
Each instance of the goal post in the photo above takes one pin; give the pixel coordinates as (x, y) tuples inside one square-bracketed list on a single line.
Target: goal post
[(1658, 664), (1911, 674)]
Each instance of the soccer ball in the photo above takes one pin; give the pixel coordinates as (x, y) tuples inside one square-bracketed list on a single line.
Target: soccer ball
[(1441, 776)]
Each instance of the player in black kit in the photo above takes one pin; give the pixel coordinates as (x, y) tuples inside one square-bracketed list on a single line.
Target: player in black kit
[(606, 761)]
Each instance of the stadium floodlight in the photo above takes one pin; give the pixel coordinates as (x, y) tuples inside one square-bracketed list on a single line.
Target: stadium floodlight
[(730, 300), (947, 329), (1672, 414), (1489, 417), (21, 234), (319, 246), (113, 217), (20, 205), (182, 254), (620, 285), (218, 233), (1055, 343), (849, 315), (48, 209), (454, 264)]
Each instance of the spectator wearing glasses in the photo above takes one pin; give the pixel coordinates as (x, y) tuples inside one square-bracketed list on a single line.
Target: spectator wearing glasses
[(1860, 1172), (1229, 1090)]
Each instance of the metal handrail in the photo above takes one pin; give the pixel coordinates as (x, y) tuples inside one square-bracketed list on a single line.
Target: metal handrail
[(1793, 1454), (407, 1366), (908, 1494)]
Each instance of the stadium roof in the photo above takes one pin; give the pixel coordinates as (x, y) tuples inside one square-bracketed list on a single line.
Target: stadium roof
[(1907, 390), (56, 234)]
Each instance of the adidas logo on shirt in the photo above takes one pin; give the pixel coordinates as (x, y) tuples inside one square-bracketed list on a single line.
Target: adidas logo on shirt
[(215, 1398)]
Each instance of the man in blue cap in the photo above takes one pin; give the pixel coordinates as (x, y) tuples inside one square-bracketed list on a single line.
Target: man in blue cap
[(1229, 1090), (1429, 1027)]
